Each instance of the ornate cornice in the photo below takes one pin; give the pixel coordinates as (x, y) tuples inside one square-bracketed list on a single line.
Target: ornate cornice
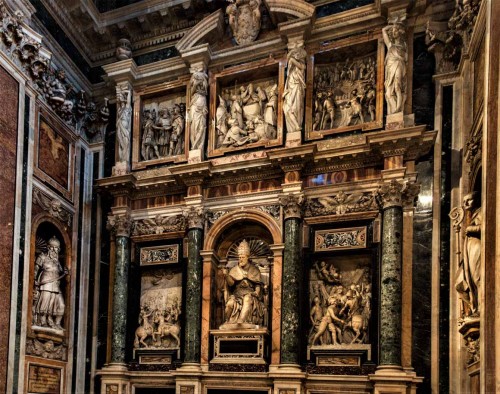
[(53, 206), (120, 224), (293, 205)]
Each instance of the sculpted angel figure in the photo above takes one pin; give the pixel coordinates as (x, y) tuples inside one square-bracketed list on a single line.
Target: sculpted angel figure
[(198, 109), (123, 123), (295, 88), (395, 66), (244, 291)]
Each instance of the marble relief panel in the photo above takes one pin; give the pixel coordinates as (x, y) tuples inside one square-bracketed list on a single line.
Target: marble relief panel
[(245, 107), (54, 153), (346, 89), (160, 310), (160, 134), (340, 294)]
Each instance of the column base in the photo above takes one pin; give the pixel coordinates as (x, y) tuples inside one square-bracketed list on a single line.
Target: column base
[(114, 379), (394, 379), (188, 379), (293, 139), (288, 379)]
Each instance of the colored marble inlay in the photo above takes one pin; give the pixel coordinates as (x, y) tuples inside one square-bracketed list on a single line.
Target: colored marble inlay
[(390, 287), (333, 178), (120, 299), (53, 154), (8, 157), (160, 201), (349, 238), (242, 188), (290, 306), (193, 295)]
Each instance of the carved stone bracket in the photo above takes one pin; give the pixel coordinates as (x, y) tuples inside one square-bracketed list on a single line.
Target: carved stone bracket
[(293, 205), (341, 203), (195, 217), (52, 206), (159, 225), (120, 225)]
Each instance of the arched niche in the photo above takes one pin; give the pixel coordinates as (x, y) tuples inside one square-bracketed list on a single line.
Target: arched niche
[(265, 236), (47, 277)]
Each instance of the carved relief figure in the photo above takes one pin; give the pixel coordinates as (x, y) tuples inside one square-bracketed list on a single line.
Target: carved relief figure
[(295, 88), (244, 19), (469, 272), (123, 123), (344, 93), (48, 298), (243, 293), (395, 66), (340, 305), (249, 117), (198, 109), (159, 316), (162, 134)]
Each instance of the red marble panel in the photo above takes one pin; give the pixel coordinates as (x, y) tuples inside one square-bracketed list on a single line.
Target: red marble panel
[(242, 188), (333, 178), (9, 101), (53, 154)]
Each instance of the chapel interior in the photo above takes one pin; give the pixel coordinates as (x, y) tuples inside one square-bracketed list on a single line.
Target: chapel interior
[(249, 196)]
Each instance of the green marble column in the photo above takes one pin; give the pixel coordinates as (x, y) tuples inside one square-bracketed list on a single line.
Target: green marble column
[(390, 275), (120, 225), (194, 278), (292, 281), (120, 297)]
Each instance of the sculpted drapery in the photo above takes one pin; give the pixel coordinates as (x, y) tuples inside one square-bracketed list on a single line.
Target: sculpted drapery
[(198, 109), (295, 88), (123, 123)]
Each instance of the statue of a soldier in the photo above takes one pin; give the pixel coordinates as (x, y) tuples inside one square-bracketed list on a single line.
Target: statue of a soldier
[(49, 303)]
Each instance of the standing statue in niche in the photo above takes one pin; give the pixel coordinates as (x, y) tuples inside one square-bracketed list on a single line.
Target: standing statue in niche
[(243, 293), (48, 300), (395, 66), (123, 123), (198, 109), (295, 88), (469, 272)]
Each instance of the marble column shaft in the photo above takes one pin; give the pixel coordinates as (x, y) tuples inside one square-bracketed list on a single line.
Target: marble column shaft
[(120, 298), (390, 286), (291, 285), (192, 336)]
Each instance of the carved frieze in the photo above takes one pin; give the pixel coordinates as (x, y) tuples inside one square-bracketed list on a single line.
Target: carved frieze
[(213, 216), (341, 203), (53, 206), (159, 225)]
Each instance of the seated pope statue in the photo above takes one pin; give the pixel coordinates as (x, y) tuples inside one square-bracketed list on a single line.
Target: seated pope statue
[(243, 293)]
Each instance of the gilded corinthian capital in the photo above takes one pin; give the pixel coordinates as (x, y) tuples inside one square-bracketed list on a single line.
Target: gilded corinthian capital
[(292, 205), (120, 224), (398, 193)]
